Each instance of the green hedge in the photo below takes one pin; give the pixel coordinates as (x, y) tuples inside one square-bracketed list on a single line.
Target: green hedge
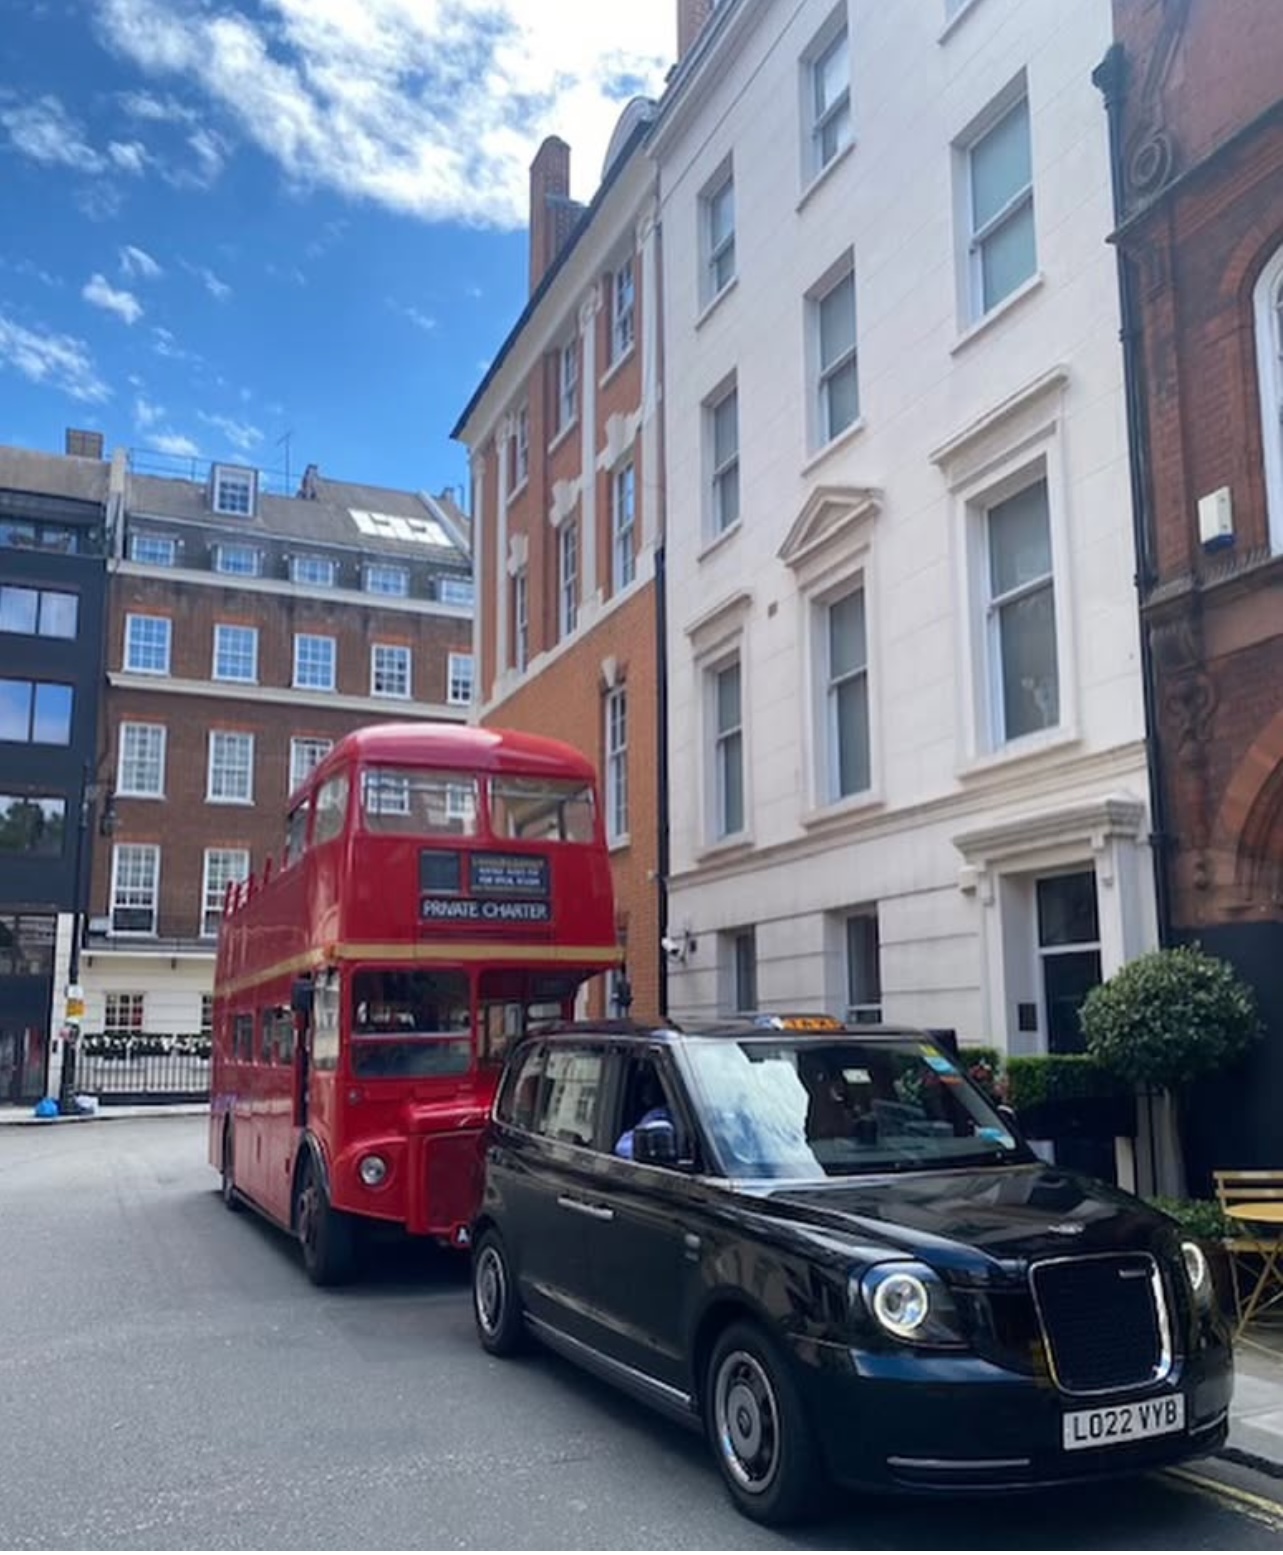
[(1201, 1218), (1035, 1080)]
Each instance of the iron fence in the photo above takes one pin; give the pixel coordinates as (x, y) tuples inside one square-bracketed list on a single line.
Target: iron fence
[(137, 1069)]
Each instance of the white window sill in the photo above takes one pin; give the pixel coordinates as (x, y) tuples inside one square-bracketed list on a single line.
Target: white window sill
[(617, 366), (519, 488), (235, 680), (850, 808), (618, 844), (1027, 748), (125, 793), (998, 311), (301, 686), (718, 541), (392, 696), (135, 669), (847, 435), (823, 176), (223, 800), (562, 435), (955, 21), (711, 306), (724, 847)]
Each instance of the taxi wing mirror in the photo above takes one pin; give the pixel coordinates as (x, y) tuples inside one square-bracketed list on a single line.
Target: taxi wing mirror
[(655, 1144)]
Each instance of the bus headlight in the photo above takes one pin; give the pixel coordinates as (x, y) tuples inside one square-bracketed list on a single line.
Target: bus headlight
[(372, 1170)]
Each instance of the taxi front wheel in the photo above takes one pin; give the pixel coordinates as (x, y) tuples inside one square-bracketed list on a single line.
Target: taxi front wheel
[(759, 1432), (495, 1304)]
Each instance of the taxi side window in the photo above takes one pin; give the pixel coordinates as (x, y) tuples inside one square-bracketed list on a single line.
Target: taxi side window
[(572, 1095), (519, 1105)]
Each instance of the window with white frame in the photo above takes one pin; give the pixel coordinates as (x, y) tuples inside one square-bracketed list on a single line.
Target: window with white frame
[(623, 526), (717, 237), (207, 1014), (234, 491), (140, 763), (847, 764), (737, 957), (521, 620), (1024, 682), (312, 571), (1002, 252), (236, 653), (623, 311), (1267, 301), (722, 422), (135, 887), (1068, 952), (222, 867), (389, 670), (519, 469), (727, 717), (837, 382), (567, 385), (124, 1011), (616, 710), (387, 579), (305, 752), (231, 767), (314, 660), (459, 679), (241, 561), (827, 67), (457, 591), (863, 969), (153, 550), (147, 644), (568, 577)]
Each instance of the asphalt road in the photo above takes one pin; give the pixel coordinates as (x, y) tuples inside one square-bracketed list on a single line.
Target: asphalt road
[(168, 1379)]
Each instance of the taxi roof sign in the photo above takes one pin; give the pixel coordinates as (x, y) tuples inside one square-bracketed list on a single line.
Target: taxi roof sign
[(798, 1022)]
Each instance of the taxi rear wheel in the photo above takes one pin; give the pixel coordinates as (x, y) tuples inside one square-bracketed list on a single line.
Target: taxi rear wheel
[(759, 1431), (495, 1303)]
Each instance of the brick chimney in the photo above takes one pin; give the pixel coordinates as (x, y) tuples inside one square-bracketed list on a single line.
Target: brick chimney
[(550, 205), (82, 445), (691, 16)]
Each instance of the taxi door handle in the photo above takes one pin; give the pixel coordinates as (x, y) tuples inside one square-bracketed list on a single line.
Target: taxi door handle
[(593, 1211)]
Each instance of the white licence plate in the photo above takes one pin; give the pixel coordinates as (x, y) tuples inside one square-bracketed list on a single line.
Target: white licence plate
[(1124, 1422)]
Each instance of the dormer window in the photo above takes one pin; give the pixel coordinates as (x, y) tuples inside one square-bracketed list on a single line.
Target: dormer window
[(315, 571), (153, 550), (241, 561), (457, 591), (235, 491), (380, 578)]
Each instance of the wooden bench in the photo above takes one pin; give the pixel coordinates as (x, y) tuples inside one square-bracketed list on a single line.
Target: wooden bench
[(1254, 1201)]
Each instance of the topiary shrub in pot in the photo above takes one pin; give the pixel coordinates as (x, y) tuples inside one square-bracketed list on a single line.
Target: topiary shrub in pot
[(1167, 1019)]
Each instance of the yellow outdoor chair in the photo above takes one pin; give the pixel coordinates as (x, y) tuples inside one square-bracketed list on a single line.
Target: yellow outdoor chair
[(1253, 1200)]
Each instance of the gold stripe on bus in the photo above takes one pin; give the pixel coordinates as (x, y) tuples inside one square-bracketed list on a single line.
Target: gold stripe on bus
[(590, 955)]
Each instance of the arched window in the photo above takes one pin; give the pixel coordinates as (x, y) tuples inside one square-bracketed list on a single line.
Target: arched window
[(1268, 305)]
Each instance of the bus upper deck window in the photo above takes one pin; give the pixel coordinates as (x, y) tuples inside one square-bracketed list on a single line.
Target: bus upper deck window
[(419, 804), (541, 809), (331, 809)]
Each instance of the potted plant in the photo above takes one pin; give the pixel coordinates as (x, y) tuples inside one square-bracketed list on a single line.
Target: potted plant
[(1161, 1023)]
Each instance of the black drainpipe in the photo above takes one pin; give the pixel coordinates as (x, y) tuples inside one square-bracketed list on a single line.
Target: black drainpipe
[(1110, 77), (661, 700)]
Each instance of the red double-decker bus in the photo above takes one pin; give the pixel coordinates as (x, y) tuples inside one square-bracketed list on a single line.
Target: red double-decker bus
[(440, 888)]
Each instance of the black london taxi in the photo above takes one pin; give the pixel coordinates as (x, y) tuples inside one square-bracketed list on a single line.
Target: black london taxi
[(828, 1249)]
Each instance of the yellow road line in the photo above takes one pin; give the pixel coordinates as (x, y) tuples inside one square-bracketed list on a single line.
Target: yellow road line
[(1270, 1511)]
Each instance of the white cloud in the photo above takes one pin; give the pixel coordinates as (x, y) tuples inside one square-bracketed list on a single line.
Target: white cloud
[(58, 361), (99, 291), (44, 131), (174, 443), (156, 110), (240, 434), (147, 414), (213, 284), (138, 262), (416, 316), (430, 107), (129, 156)]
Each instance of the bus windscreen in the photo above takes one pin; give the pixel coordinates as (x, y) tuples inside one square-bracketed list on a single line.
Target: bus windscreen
[(410, 1024)]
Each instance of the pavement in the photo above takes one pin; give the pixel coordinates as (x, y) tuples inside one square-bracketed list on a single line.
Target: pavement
[(1256, 1416)]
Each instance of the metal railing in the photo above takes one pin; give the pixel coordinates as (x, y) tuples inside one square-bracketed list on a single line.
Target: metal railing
[(141, 1069)]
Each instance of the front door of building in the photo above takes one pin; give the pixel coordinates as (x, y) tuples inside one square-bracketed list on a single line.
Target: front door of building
[(26, 998)]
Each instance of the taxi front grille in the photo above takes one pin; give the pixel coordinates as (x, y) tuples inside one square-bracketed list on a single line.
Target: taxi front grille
[(1104, 1321)]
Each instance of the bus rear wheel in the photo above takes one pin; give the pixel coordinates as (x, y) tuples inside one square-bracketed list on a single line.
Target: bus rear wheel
[(325, 1233), (231, 1198)]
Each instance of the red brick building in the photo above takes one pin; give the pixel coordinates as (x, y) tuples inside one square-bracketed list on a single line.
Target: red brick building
[(564, 438), (1195, 94), (246, 633)]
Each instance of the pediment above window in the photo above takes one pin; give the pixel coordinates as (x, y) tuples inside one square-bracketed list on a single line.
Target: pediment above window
[(832, 517), (720, 624)]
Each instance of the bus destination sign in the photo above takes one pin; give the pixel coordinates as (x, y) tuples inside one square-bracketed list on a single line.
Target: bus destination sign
[(502, 888)]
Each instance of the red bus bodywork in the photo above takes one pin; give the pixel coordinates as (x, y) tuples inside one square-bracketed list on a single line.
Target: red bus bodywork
[(441, 885)]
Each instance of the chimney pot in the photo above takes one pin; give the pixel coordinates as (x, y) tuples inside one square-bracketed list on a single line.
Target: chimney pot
[(691, 17), (549, 196)]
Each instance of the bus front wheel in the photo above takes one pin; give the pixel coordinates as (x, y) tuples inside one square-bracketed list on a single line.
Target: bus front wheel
[(325, 1233)]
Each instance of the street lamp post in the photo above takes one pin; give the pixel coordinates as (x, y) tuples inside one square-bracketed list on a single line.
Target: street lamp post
[(74, 1007)]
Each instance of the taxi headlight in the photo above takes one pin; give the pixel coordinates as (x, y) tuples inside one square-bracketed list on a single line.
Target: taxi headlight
[(1200, 1277), (911, 1303), (372, 1170)]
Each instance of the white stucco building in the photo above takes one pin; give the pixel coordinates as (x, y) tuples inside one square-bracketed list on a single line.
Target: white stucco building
[(906, 722)]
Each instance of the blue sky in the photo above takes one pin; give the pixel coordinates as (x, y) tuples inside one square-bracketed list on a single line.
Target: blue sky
[(228, 222)]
